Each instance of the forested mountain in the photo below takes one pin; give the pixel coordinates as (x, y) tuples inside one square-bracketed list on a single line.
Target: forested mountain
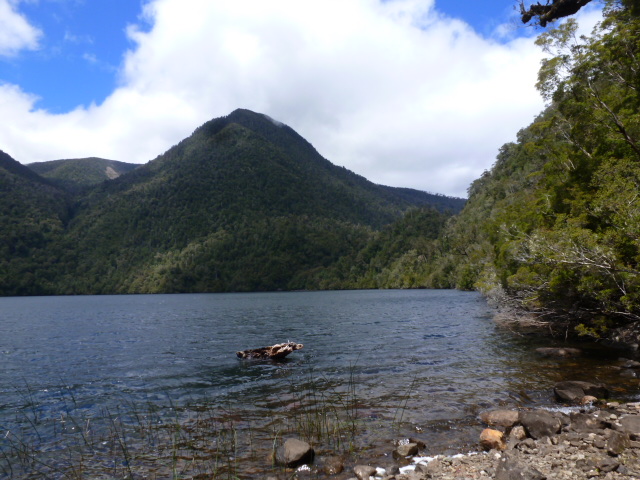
[(243, 204), (554, 228), (33, 213), (75, 174)]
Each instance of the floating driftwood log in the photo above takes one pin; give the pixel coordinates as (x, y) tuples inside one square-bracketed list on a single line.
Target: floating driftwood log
[(277, 351)]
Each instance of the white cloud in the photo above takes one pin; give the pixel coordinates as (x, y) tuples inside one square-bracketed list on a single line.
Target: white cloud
[(391, 90), (15, 31)]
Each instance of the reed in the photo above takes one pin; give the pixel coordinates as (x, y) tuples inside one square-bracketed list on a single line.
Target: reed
[(196, 441), (325, 412)]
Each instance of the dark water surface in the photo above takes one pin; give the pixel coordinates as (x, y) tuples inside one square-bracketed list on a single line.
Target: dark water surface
[(400, 363)]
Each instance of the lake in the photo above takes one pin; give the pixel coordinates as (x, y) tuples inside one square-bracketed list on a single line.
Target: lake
[(146, 384)]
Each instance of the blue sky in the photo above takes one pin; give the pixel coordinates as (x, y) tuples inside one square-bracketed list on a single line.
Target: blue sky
[(126, 79), (81, 49)]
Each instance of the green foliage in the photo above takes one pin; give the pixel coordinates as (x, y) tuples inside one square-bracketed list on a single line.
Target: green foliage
[(554, 225), (76, 174), (244, 204)]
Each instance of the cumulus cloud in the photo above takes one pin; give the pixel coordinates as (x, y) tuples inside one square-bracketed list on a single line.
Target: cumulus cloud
[(15, 31), (391, 90)]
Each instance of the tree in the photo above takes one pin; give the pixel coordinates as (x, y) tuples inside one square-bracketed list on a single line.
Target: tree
[(550, 11)]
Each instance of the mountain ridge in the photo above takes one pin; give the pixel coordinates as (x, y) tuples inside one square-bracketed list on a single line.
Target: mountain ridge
[(243, 204), (78, 173)]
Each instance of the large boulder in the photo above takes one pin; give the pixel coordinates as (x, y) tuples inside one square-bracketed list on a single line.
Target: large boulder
[(540, 423), (574, 391), (293, 453), (584, 422), (500, 418), (630, 424)]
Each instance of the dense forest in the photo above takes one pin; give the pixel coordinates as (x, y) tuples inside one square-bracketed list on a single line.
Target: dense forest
[(76, 174), (553, 228), (243, 204)]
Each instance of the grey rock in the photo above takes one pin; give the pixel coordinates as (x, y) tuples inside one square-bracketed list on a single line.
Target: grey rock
[(363, 472), (333, 465), (617, 443), (417, 441), (600, 443), (540, 423), (392, 469), (405, 450), (293, 453), (630, 424), (608, 465), (510, 469), (527, 444), (574, 391), (584, 422)]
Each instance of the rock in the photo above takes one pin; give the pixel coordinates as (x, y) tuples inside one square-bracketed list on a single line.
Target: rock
[(630, 363), (392, 469), (584, 422), (420, 443), (492, 440), (588, 400), (526, 444), (630, 424), (363, 472), (540, 423), (510, 469), (405, 450), (500, 418), (517, 434), (559, 352), (333, 465), (574, 391), (608, 465), (277, 351), (617, 443), (293, 453)]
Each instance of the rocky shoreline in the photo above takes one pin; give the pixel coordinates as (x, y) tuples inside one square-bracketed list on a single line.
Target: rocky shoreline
[(592, 439), (591, 442), (584, 437)]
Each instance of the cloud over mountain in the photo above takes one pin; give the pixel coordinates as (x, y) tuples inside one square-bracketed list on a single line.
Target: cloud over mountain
[(393, 90)]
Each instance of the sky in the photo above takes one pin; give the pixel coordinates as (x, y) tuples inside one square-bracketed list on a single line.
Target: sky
[(407, 93)]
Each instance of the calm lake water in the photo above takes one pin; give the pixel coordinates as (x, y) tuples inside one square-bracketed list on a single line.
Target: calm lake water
[(419, 363)]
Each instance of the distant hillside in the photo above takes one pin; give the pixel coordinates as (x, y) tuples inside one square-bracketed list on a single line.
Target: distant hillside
[(78, 173), (243, 204), (33, 214)]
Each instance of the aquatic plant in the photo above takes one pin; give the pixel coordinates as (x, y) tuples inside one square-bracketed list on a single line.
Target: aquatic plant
[(197, 440)]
